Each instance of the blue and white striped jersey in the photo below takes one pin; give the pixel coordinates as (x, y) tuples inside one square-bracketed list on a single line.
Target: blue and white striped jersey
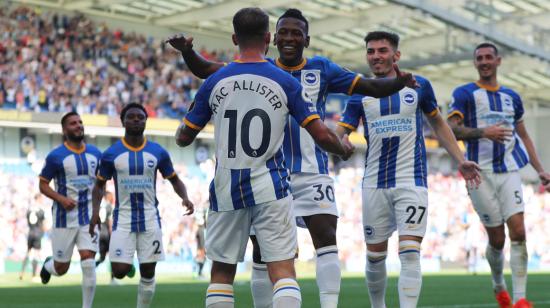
[(250, 103), (74, 173), (319, 76), (134, 171), (480, 107), (396, 153)]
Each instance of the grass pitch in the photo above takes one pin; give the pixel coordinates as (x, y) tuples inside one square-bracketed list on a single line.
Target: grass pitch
[(440, 290)]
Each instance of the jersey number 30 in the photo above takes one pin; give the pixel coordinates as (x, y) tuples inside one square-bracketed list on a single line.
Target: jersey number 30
[(245, 132)]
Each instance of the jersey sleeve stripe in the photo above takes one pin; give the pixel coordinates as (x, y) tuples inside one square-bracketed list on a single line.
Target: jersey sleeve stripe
[(309, 119), (346, 125), (456, 112), (433, 113), (353, 84), (171, 175), (192, 125)]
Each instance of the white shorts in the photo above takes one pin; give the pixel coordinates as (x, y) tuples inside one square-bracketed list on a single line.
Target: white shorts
[(274, 227), (64, 240), (498, 197), (313, 194), (389, 209), (148, 245)]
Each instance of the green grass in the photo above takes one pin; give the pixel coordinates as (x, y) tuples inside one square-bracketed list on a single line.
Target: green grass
[(441, 290)]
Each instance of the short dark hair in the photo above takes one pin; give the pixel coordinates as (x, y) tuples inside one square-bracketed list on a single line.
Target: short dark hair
[(487, 45), (66, 116), (250, 24), (294, 13), (130, 106), (391, 37)]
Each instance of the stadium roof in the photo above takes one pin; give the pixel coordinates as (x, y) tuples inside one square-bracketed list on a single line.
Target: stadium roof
[(438, 36)]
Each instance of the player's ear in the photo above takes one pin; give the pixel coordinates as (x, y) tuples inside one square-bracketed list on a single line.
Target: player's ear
[(275, 39), (234, 39), (306, 43), (267, 38), (499, 60), (397, 56)]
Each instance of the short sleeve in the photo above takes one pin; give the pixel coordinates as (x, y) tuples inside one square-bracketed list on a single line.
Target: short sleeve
[(165, 165), (299, 104), (518, 108), (352, 113), (97, 154), (458, 103), (200, 112), (106, 167), (50, 168), (428, 103), (340, 80)]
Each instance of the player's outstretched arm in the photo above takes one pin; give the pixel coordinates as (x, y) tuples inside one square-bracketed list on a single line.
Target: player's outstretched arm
[(97, 195), (180, 189), (533, 156), (198, 65), (66, 202), (185, 135), (328, 140), (341, 131), (385, 86), (469, 170), (496, 132)]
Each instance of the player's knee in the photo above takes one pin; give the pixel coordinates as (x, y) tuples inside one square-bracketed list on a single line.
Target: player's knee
[(517, 234), (147, 270), (61, 268), (118, 274), (281, 270), (327, 237), (497, 243), (86, 254), (120, 270)]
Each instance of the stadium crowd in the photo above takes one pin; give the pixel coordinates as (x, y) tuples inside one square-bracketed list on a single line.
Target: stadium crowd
[(57, 63), (453, 227)]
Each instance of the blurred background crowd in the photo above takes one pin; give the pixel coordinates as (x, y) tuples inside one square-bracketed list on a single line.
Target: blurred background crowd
[(56, 63), (455, 237)]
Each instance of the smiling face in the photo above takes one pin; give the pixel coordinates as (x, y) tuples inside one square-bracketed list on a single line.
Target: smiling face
[(134, 121), (291, 38), (73, 129), (486, 62), (381, 56)]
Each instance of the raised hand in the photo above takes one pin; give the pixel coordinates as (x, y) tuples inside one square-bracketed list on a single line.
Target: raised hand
[(180, 42), (471, 173), (497, 133), (406, 78), (349, 148)]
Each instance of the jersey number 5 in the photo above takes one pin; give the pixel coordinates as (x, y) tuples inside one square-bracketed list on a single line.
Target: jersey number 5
[(245, 132)]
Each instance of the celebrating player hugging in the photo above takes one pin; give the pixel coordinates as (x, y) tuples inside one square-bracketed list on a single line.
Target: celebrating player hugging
[(271, 175)]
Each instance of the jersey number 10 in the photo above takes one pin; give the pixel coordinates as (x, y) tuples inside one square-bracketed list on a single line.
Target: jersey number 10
[(245, 132)]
